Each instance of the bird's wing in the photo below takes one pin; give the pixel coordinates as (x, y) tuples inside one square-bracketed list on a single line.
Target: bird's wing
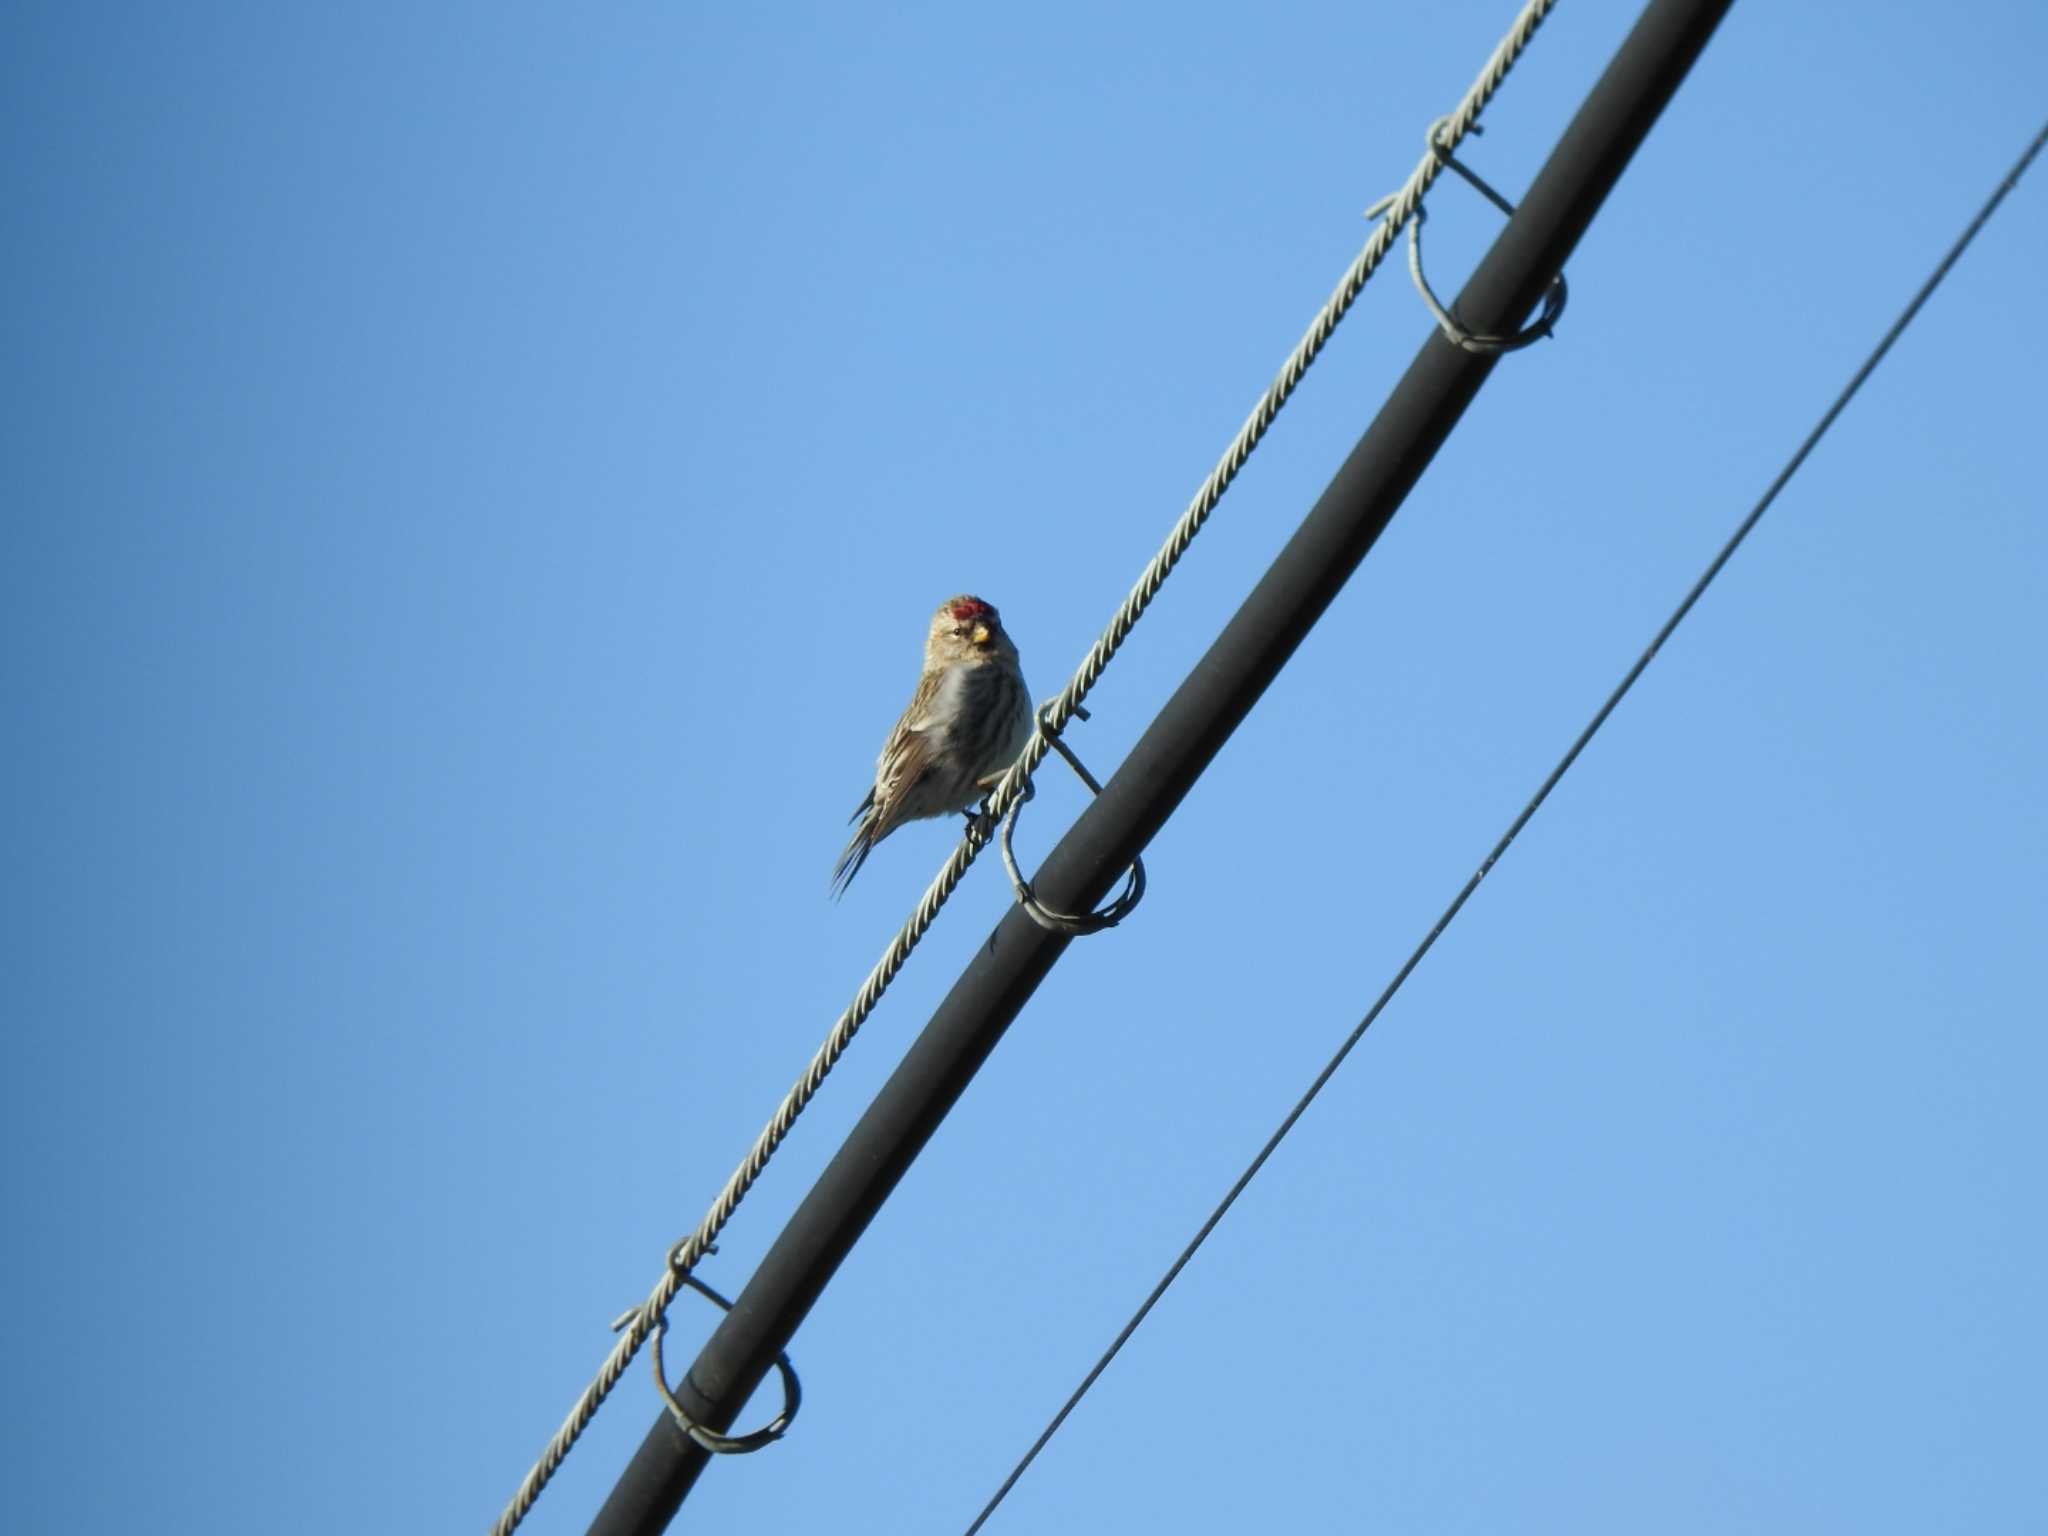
[(905, 760)]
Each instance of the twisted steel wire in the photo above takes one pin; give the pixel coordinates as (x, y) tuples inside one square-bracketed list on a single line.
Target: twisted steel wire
[(1399, 210), (684, 1256)]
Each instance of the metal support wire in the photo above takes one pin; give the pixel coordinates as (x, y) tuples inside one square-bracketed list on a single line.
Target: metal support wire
[(1507, 838)]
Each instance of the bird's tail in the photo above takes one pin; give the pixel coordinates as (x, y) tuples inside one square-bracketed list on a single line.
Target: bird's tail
[(857, 848)]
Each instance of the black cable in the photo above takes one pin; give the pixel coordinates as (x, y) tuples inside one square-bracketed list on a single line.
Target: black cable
[(1169, 757), (1514, 830)]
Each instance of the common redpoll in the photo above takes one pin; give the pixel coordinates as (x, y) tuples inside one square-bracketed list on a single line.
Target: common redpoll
[(968, 720)]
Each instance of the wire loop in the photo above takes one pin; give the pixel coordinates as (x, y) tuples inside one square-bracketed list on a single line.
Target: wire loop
[(1064, 922), (709, 1439), (1553, 297)]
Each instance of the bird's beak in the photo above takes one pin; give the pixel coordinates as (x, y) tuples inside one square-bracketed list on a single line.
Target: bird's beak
[(981, 633)]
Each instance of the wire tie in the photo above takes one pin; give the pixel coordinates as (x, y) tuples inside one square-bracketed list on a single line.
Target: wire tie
[(708, 1439), (1063, 922), (1553, 297)]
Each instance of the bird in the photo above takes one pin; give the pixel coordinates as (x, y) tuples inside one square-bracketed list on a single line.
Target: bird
[(967, 722)]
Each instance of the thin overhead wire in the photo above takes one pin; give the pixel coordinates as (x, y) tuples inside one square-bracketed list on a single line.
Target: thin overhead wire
[(1628, 681), (684, 1256)]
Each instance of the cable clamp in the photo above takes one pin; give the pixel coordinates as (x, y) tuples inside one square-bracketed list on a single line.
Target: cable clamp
[(711, 1440), (1553, 297), (1062, 922)]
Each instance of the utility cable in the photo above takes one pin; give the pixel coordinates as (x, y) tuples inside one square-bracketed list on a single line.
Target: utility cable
[(1528, 812), (685, 1254)]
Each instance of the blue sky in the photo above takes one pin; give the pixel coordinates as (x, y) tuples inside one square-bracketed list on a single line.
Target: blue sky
[(476, 478)]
